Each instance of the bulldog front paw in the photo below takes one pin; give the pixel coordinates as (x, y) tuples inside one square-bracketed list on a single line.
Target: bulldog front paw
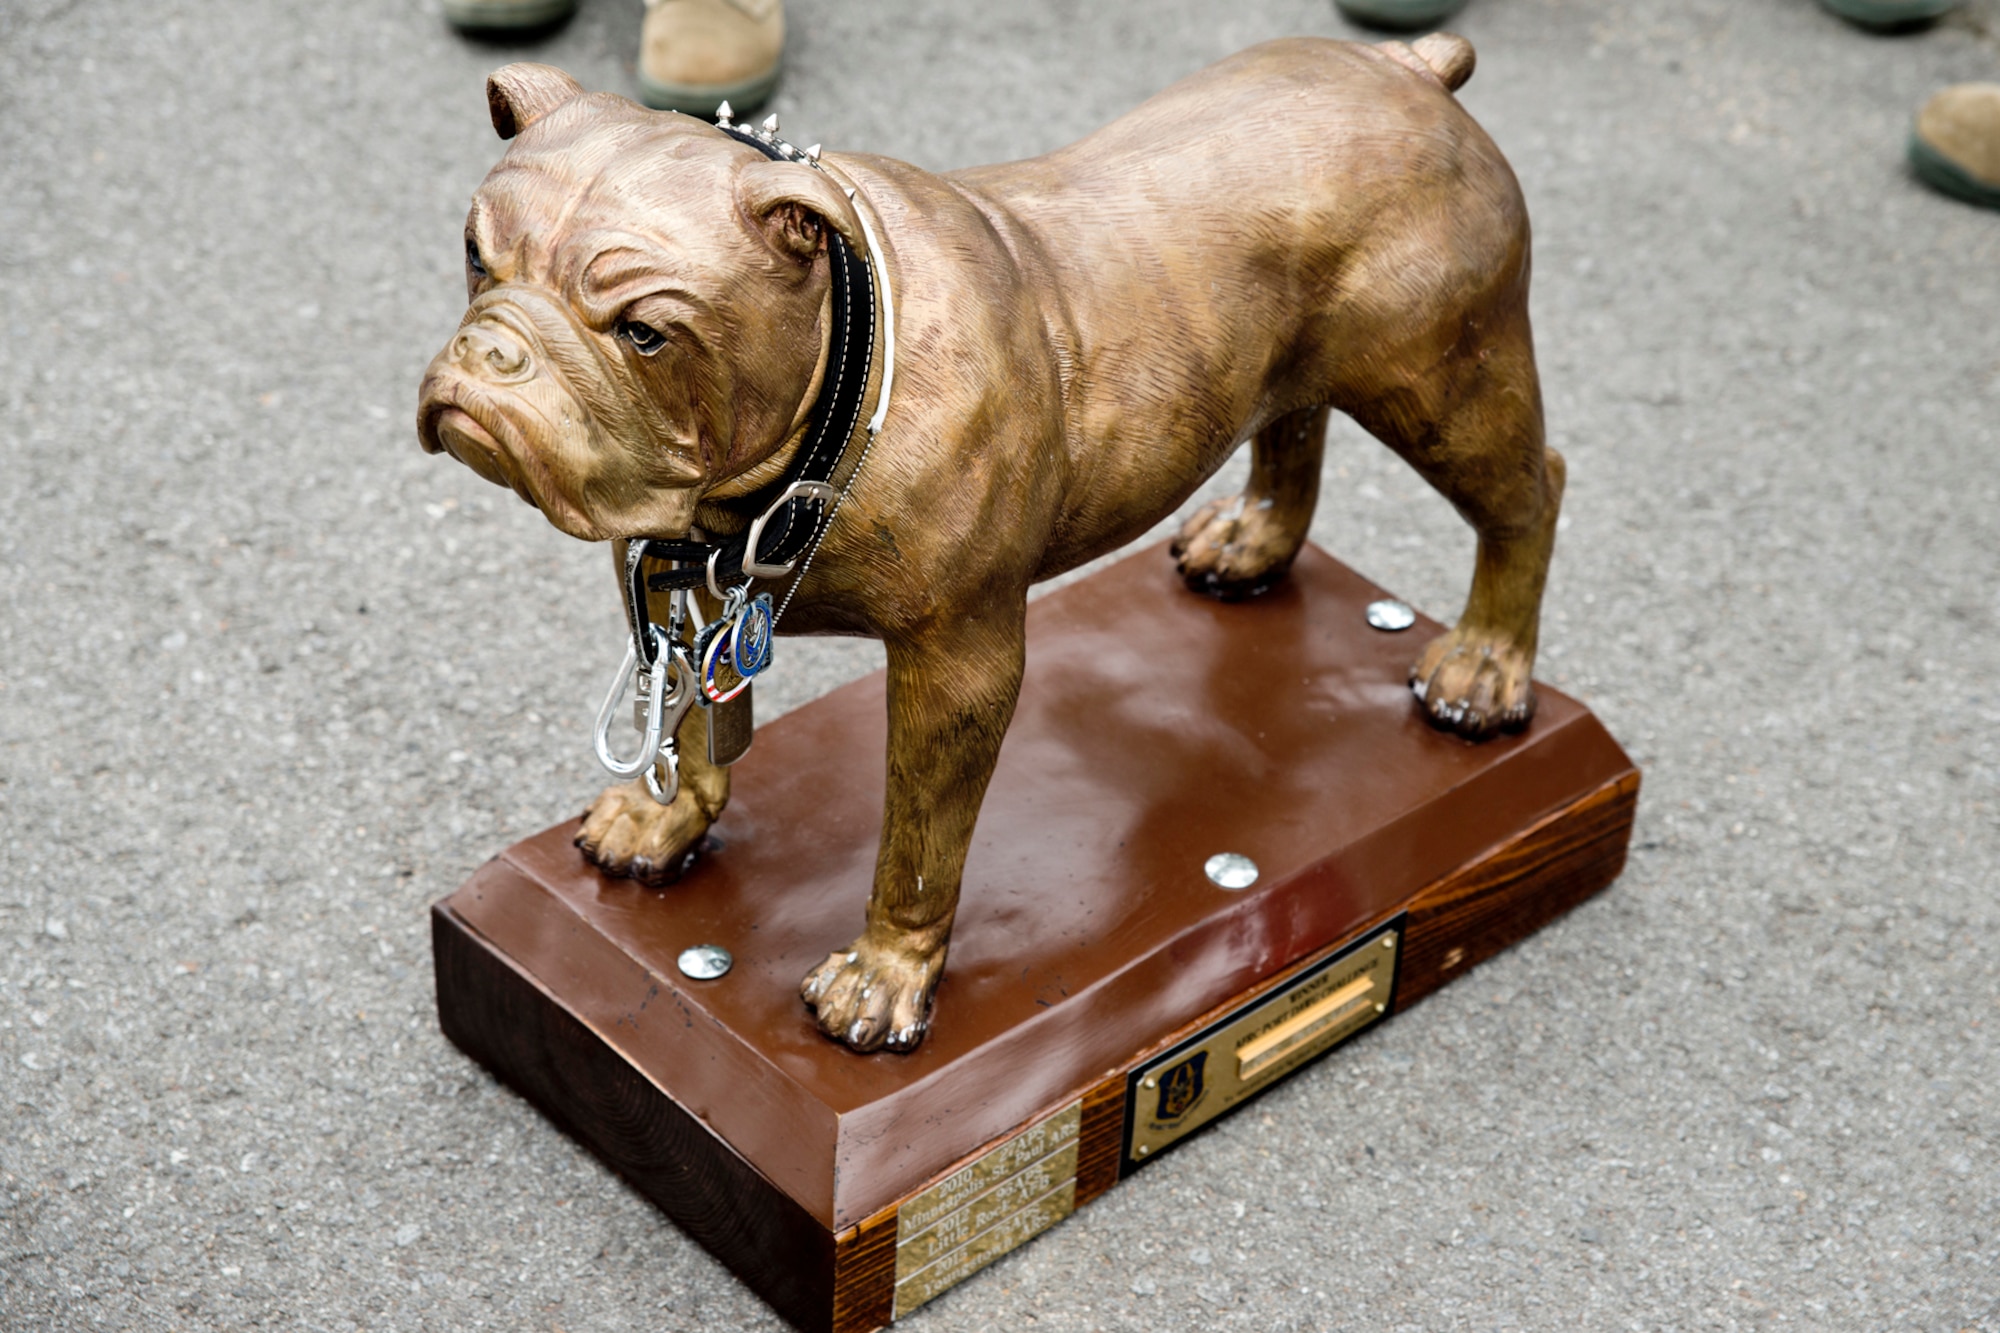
[(628, 834), (1477, 685), (1235, 548), (875, 995)]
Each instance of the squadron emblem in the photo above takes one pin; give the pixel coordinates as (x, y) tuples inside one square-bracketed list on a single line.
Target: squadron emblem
[(1181, 1087)]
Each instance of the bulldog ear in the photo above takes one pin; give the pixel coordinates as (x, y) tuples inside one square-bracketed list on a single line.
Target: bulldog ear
[(792, 202), (519, 95)]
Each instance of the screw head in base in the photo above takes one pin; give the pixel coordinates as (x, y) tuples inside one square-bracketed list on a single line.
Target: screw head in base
[(1231, 870), (705, 962), (1391, 615)]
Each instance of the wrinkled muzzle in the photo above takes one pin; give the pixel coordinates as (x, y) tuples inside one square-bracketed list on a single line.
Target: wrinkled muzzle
[(506, 398)]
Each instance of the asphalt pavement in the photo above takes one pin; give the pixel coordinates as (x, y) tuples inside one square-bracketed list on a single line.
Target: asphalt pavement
[(272, 681)]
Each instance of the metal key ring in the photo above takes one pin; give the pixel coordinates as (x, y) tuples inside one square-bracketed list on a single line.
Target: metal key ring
[(711, 658)]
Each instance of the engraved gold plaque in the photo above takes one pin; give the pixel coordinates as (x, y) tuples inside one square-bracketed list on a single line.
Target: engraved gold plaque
[(1242, 1053), (982, 1250), (1011, 1193), (1260, 1053), (975, 1217)]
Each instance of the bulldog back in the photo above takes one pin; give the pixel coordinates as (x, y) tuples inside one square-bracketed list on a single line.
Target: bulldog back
[(1306, 223)]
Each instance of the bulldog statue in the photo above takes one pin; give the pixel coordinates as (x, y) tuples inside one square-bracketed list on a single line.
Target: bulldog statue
[(1035, 363)]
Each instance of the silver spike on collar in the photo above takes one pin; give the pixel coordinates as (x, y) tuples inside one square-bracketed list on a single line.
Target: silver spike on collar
[(768, 133)]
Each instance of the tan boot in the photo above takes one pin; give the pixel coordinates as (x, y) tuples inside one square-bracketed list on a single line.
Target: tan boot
[(1956, 143), (695, 55)]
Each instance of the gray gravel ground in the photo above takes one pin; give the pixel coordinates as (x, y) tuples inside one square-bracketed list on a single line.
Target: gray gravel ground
[(272, 682)]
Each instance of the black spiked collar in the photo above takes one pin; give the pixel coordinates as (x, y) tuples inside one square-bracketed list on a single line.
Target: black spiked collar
[(791, 525)]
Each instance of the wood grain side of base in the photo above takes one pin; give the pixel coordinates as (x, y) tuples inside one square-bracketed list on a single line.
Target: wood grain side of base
[(1100, 1139), (1527, 882), (864, 1275), (500, 1017)]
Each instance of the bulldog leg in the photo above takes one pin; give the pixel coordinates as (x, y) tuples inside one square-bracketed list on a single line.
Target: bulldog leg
[(951, 696), (1473, 427), (1242, 545), (627, 833)]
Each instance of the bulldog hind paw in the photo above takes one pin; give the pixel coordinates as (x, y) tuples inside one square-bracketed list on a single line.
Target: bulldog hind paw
[(1477, 685), (626, 833), (1235, 548), (871, 996)]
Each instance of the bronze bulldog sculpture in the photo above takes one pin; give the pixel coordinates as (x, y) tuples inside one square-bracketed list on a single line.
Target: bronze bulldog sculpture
[(1080, 339)]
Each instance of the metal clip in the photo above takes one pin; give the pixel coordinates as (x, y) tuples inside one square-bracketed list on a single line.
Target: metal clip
[(669, 759), (798, 490), (669, 690)]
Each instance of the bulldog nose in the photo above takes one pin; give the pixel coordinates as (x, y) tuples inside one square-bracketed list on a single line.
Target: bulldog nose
[(490, 350)]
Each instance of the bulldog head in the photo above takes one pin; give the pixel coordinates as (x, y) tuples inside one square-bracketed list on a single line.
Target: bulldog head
[(648, 309)]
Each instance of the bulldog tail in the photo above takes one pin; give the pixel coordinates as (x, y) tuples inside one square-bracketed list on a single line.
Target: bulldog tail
[(1443, 56)]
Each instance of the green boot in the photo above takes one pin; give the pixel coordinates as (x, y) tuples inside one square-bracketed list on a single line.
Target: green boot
[(1399, 15), (506, 16), (1955, 145), (1888, 15)]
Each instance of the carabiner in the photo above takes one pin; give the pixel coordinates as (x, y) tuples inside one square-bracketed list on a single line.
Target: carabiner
[(664, 706), (655, 717), (673, 660)]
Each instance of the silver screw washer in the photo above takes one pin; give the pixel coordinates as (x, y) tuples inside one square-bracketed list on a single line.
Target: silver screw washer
[(1391, 615), (705, 962), (1231, 870)]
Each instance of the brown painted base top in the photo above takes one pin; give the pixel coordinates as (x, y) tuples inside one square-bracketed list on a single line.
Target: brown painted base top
[(1155, 729)]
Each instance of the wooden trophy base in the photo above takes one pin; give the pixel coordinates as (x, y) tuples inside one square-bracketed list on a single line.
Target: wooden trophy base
[(1105, 997)]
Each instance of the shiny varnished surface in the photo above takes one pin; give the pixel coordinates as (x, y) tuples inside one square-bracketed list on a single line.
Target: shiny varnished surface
[(1155, 728)]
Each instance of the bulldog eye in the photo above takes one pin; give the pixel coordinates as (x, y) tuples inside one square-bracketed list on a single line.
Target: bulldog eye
[(645, 339), (472, 260)]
